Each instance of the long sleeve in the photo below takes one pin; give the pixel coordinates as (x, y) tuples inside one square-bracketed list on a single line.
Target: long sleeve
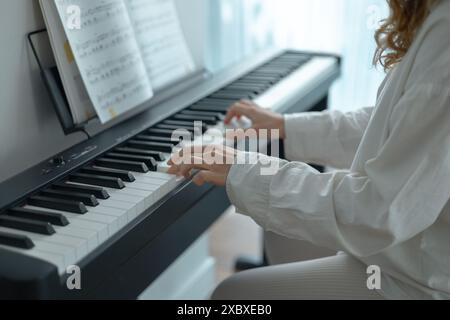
[(325, 138), (399, 194)]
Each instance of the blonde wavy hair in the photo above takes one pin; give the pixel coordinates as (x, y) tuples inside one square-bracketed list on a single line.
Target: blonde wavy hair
[(398, 31)]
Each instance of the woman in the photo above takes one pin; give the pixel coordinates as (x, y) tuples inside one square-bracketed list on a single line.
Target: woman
[(391, 209)]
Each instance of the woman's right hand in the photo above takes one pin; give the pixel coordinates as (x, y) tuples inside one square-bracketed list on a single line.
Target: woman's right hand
[(261, 118)]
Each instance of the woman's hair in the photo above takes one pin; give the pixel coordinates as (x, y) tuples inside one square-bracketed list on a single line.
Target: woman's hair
[(398, 31)]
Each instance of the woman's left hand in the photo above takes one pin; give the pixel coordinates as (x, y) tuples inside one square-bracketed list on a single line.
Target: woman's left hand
[(212, 162)]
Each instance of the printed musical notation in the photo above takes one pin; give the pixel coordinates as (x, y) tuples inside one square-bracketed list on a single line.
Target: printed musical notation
[(124, 49), (108, 57), (161, 40)]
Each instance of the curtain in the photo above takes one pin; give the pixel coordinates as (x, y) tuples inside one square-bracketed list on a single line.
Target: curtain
[(239, 28)]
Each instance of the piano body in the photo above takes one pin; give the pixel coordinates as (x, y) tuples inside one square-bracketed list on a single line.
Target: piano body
[(107, 205)]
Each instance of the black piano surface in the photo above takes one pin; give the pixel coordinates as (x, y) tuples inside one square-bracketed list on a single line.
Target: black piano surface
[(129, 261)]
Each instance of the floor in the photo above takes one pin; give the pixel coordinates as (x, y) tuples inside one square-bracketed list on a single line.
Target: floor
[(232, 236)]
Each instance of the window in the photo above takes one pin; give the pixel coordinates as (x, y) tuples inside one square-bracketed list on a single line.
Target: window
[(241, 27)]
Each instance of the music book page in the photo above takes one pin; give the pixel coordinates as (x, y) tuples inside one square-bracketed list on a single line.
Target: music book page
[(121, 52), (108, 56), (161, 40), (78, 99)]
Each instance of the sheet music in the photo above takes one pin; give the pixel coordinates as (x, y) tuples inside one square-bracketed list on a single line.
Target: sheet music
[(108, 56), (161, 40), (79, 102)]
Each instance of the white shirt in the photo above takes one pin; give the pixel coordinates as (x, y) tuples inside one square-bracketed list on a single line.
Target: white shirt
[(391, 208)]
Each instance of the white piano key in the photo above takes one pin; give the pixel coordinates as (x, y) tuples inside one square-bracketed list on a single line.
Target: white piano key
[(93, 233), (130, 208), (67, 252), (146, 198), (52, 258), (297, 85), (118, 214)]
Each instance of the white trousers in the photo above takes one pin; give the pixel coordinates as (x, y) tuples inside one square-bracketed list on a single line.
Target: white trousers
[(339, 277)]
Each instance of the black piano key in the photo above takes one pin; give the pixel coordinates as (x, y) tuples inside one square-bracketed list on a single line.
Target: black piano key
[(124, 175), (161, 132), (38, 227), (193, 130), (226, 103), (15, 241), (150, 162), (153, 146), (53, 218), (88, 200), (217, 115), (158, 156), (133, 166), (97, 180), (56, 204), (268, 80), (99, 193), (209, 107), (234, 96), (275, 75), (205, 119), (186, 124), (170, 140)]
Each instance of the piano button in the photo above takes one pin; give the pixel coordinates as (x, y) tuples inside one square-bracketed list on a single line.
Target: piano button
[(150, 162), (124, 175), (88, 200), (99, 193), (154, 146), (97, 180), (43, 228), (64, 205), (158, 156), (170, 140), (16, 241), (205, 119), (133, 166), (54, 219)]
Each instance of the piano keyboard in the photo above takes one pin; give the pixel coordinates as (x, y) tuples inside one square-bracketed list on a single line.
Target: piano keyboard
[(67, 220)]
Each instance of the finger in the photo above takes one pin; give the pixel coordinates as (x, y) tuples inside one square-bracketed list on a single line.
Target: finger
[(196, 163), (247, 102), (184, 155), (237, 110), (203, 177)]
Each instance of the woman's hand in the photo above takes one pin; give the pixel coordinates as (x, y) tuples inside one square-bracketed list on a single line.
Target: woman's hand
[(212, 162), (261, 118)]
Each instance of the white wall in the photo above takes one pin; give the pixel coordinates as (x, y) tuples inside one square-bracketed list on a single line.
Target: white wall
[(29, 130)]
